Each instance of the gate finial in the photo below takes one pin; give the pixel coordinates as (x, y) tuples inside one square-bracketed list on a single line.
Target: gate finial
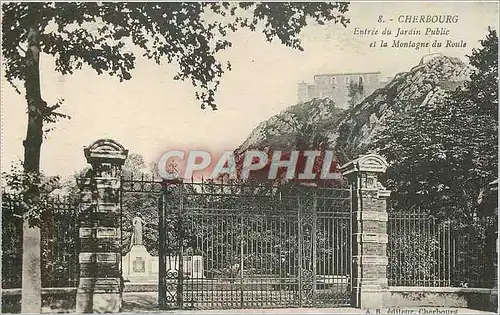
[(365, 163), (105, 150)]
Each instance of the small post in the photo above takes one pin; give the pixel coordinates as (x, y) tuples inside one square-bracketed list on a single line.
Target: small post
[(100, 287), (370, 288)]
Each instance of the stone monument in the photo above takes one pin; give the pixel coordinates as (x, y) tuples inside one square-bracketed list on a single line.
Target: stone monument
[(137, 232), (138, 265)]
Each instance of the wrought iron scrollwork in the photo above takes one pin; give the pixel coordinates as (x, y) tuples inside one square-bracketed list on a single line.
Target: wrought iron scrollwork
[(172, 274), (281, 247), (308, 235), (171, 288), (307, 286)]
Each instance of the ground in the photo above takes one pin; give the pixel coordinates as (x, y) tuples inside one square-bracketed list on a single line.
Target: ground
[(148, 302)]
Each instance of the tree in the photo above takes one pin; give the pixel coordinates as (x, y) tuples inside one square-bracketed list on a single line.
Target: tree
[(443, 155), (98, 35), (134, 165), (356, 93), (482, 88)]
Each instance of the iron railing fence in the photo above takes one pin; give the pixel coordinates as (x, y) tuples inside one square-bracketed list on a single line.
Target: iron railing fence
[(12, 242), (256, 246), (430, 252), (59, 242), (422, 250)]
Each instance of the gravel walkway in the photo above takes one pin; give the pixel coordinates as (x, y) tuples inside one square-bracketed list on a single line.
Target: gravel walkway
[(148, 302)]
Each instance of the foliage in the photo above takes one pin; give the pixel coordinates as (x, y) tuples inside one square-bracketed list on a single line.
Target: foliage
[(16, 182), (190, 34), (356, 93), (59, 237), (412, 258), (134, 164), (424, 251), (443, 155), (59, 243), (144, 205), (12, 227), (475, 252), (482, 88)]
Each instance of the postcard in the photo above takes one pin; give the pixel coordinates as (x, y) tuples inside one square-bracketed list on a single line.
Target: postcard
[(250, 157)]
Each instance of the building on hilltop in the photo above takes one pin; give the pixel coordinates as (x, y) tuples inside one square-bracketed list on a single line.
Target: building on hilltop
[(335, 86)]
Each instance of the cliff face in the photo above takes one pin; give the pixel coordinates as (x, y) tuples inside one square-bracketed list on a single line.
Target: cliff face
[(424, 84), (320, 124), (299, 127)]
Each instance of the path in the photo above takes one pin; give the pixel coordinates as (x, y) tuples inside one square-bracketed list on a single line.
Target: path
[(134, 302)]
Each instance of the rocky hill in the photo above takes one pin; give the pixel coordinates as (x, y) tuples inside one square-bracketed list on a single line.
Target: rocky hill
[(298, 127), (320, 124)]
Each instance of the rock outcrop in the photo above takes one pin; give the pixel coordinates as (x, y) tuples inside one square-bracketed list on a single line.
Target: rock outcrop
[(424, 84), (350, 132), (297, 127)]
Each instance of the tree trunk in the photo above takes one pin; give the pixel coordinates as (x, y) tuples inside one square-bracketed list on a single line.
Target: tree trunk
[(31, 301)]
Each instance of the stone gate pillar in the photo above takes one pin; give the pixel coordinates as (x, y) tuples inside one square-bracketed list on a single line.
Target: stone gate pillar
[(100, 287), (369, 232)]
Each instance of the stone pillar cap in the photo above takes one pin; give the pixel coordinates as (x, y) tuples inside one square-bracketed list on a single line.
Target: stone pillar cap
[(365, 163), (106, 150)]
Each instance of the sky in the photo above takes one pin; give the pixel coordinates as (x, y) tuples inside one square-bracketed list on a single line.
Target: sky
[(152, 113)]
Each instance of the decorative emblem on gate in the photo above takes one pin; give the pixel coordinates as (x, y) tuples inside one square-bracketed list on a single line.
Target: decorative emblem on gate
[(172, 168)]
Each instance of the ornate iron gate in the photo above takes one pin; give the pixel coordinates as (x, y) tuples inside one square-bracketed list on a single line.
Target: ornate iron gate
[(234, 246)]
